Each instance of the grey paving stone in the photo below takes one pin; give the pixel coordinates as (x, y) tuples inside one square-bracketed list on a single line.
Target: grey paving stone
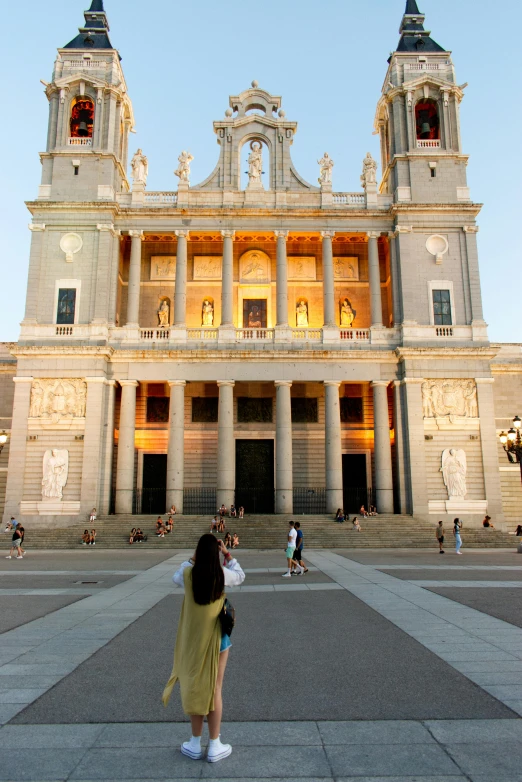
[(12, 669), (39, 764), (141, 763), (146, 734), (494, 677), (469, 731), (271, 762), (29, 682), (505, 692), (390, 759), (375, 732), (20, 695), (495, 759), (477, 666), (10, 710), (50, 736), (458, 778)]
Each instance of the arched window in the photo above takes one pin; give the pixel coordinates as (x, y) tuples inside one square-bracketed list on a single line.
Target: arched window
[(427, 120), (82, 118)]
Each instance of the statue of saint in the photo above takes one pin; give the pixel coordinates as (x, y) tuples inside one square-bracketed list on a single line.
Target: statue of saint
[(369, 174), (163, 314), (140, 168), (301, 314), (347, 313), (55, 470), (207, 314), (255, 163), (37, 395), (254, 318), (183, 170), (454, 468), (325, 173), (59, 402)]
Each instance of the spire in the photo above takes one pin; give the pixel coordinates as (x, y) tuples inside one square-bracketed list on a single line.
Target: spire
[(414, 38), (95, 34)]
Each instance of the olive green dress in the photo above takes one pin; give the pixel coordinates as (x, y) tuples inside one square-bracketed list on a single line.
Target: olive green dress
[(196, 655)]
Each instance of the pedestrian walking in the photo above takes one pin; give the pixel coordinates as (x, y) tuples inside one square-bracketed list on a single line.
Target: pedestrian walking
[(457, 526), (297, 561), (290, 548), (16, 545), (439, 534), (21, 530), (202, 649)]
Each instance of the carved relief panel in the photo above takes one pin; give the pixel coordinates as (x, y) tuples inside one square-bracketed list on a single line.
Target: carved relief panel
[(346, 268), (207, 267), (55, 400), (254, 267), (453, 398), (301, 268), (163, 267)]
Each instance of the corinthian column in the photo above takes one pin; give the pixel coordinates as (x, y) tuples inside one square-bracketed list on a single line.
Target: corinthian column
[(226, 454), (328, 280), (180, 293), (133, 295), (125, 466), (176, 449), (382, 447), (282, 280), (333, 449), (284, 472), (227, 279), (374, 274)]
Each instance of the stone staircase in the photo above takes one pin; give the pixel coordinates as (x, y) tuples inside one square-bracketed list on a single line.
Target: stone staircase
[(267, 532)]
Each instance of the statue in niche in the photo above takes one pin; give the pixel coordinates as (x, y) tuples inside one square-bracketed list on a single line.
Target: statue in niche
[(183, 170), (207, 313), (449, 398), (347, 314), (301, 314), (140, 168), (454, 469), (163, 314), (325, 173), (55, 472), (369, 174), (255, 163)]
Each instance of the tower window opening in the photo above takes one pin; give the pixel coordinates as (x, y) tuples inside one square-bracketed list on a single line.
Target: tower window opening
[(427, 120), (76, 170), (433, 173), (82, 118)]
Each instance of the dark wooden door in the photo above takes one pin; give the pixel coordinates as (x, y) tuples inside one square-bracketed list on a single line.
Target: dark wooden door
[(255, 475), (355, 482), (154, 486)]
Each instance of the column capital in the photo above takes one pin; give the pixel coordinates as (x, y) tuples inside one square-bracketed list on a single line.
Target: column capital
[(484, 380), (36, 227), (278, 383), (281, 234), (373, 234), (327, 234), (332, 383), (23, 379), (226, 383), (377, 383), (228, 234), (105, 227), (470, 229), (182, 234), (404, 229), (177, 382), (128, 383), (136, 234)]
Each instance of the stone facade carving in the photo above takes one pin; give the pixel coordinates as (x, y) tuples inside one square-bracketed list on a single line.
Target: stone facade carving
[(369, 174), (254, 267), (301, 267), (164, 314), (55, 472), (453, 398), (255, 165), (325, 172), (71, 244), (57, 399), (346, 268), (207, 313), (301, 314), (207, 267), (454, 469), (347, 313), (183, 170), (163, 267), (140, 168)]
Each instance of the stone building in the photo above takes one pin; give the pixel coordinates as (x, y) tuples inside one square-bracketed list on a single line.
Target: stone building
[(268, 342)]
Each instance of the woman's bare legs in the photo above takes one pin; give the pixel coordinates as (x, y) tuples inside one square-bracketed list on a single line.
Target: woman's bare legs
[(214, 717), (197, 724)]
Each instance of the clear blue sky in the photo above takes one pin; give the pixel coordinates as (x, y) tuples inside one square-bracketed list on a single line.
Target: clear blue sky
[(327, 60)]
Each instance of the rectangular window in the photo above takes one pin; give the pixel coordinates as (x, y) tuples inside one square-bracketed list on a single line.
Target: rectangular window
[(442, 308), (158, 409), (351, 410), (66, 305), (304, 410), (254, 411), (204, 410)]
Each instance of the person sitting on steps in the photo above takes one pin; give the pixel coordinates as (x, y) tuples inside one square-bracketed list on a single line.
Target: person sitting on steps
[(235, 540), (363, 512), (221, 524), (241, 512), (139, 537), (132, 536), (356, 526), (339, 516), (169, 524), (85, 537), (214, 524), (160, 531), (228, 540)]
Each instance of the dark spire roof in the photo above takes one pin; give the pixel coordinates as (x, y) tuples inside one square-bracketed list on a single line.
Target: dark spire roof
[(414, 38), (95, 34)]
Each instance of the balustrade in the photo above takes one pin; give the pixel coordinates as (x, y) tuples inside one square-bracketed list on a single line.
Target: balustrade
[(155, 333), (202, 334), (443, 331), (357, 335), (79, 142), (307, 334), (349, 199), (259, 334), (428, 143), (161, 198)]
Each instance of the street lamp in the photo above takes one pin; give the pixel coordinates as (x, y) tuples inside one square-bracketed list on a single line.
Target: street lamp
[(3, 440), (512, 443)]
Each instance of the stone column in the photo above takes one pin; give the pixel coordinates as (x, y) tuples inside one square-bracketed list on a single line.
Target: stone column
[(133, 295), (106, 239), (107, 448), (114, 277), (374, 274), (284, 473), (226, 455), (282, 281), (227, 279), (92, 445), (176, 452), (333, 450), (33, 280), (395, 279), (489, 446), (180, 292), (14, 493), (415, 457), (328, 281), (400, 445), (477, 316), (382, 448), (125, 468)]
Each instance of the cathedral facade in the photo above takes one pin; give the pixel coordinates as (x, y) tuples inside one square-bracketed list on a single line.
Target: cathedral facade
[(263, 342)]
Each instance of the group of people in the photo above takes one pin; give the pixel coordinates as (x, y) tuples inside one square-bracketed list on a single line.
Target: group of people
[(294, 551), (233, 512), (340, 518), (217, 524), (372, 511), (17, 540), (164, 528), (440, 534), (89, 538), (136, 536)]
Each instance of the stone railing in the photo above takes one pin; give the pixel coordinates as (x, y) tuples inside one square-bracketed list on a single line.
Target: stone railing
[(64, 331), (307, 334), (356, 335), (255, 334), (154, 334), (85, 64), (79, 142), (424, 66), (428, 143), (161, 198), (202, 334), (349, 199), (443, 331)]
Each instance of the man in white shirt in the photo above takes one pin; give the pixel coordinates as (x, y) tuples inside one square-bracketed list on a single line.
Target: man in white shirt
[(290, 548)]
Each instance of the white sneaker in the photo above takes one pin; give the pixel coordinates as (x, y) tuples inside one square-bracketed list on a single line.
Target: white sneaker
[(218, 752), (9, 557), (19, 557), (186, 749), (285, 575), (299, 572)]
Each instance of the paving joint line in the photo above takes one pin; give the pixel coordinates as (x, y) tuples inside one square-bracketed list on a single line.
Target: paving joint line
[(425, 724)]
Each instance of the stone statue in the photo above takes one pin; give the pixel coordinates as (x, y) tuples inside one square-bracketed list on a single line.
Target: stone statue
[(301, 314), (347, 314), (183, 170), (140, 168), (369, 174), (454, 468), (55, 471), (255, 164), (163, 314), (37, 398), (325, 173), (448, 397), (207, 313), (254, 318)]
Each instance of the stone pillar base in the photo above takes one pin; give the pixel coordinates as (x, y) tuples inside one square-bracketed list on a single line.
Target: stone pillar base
[(458, 507), (50, 508), (226, 334), (178, 334), (331, 336), (283, 334)]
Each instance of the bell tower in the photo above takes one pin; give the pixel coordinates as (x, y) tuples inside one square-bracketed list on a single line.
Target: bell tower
[(418, 119), (90, 116)]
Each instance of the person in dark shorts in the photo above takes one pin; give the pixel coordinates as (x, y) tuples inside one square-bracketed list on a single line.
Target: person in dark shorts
[(298, 553), (439, 534)]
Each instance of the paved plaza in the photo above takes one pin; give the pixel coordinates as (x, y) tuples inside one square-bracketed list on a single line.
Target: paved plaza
[(376, 666)]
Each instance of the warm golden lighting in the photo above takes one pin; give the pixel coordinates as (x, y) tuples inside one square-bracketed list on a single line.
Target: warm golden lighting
[(503, 438), (517, 423), (512, 435)]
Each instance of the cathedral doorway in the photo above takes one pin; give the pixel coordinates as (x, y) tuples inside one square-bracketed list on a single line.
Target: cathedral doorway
[(154, 485), (255, 475), (355, 482)]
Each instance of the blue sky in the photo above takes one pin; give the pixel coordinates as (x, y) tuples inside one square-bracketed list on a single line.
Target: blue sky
[(327, 60)]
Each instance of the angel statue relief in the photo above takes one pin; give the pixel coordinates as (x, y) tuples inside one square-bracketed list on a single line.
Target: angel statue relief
[(454, 469), (325, 173), (183, 170), (55, 471)]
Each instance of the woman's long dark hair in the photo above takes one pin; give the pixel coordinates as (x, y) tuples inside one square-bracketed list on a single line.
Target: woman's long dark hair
[(208, 580)]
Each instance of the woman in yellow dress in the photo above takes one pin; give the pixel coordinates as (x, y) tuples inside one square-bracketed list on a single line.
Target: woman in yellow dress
[(201, 652)]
